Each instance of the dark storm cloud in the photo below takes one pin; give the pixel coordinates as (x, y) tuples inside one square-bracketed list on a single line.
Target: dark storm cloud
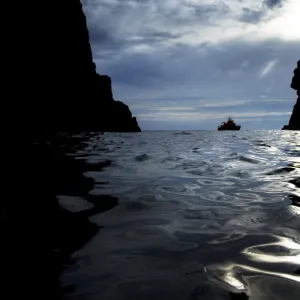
[(115, 26), (120, 17), (188, 62), (99, 35), (162, 35), (252, 16), (274, 3), (255, 16), (205, 10)]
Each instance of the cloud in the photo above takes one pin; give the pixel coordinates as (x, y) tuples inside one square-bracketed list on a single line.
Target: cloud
[(274, 3), (252, 16), (192, 56), (269, 66), (261, 13)]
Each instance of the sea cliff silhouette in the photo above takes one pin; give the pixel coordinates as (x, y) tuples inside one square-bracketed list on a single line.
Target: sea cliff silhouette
[(52, 92), (65, 93), (294, 123)]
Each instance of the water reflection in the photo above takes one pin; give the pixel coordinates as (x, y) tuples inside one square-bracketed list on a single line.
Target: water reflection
[(56, 178), (295, 197)]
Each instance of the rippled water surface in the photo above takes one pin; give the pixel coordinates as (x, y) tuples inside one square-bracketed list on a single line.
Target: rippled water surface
[(201, 215)]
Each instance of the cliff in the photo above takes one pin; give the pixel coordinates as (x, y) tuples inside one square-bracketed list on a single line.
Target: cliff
[(63, 91), (294, 123), (49, 85)]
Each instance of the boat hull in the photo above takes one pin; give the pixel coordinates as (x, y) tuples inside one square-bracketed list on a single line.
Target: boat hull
[(235, 128)]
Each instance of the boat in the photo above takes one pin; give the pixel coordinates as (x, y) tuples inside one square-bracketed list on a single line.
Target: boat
[(229, 125)]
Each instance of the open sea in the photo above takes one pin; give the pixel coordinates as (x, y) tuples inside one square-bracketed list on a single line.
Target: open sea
[(201, 215)]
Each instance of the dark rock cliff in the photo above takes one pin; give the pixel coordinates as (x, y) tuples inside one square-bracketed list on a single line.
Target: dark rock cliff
[(49, 84), (64, 92), (294, 123)]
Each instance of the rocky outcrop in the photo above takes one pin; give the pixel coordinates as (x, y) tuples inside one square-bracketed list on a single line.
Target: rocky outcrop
[(50, 84), (62, 88), (294, 123)]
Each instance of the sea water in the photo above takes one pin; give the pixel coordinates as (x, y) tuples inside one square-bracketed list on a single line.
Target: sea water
[(201, 215)]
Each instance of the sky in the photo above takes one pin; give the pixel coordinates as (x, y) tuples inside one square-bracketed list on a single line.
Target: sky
[(189, 64)]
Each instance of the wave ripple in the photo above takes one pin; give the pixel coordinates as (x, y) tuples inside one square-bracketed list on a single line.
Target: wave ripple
[(201, 213)]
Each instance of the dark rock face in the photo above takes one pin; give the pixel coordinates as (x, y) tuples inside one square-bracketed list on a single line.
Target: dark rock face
[(294, 123), (65, 91), (50, 85)]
